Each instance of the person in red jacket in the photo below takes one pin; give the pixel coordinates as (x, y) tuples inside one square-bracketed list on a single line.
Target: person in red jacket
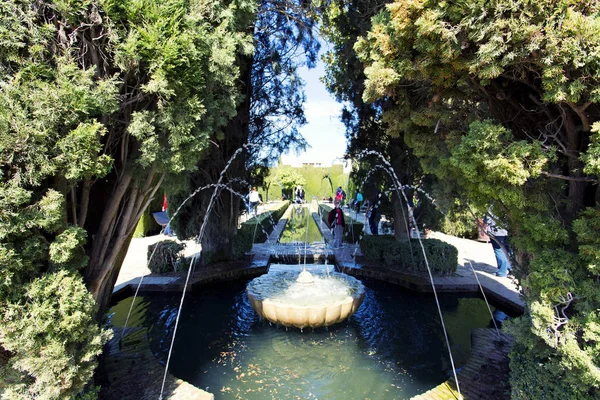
[(335, 218)]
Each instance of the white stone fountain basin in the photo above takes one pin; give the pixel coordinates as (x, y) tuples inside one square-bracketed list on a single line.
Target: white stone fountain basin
[(282, 299)]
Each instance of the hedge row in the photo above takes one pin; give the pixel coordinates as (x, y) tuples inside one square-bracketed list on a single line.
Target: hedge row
[(384, 249), (243, 240), (353, 230), (168, 257)]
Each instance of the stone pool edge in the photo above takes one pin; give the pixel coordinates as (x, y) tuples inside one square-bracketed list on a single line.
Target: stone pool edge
[(471, 373)]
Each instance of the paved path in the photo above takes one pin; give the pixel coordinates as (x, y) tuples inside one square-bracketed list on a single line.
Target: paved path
[(476, 265)]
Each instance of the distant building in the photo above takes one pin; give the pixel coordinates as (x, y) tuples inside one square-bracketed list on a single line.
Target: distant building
[(303, 161)]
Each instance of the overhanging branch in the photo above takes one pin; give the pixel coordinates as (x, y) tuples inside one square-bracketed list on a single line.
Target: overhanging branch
[(570, 178)]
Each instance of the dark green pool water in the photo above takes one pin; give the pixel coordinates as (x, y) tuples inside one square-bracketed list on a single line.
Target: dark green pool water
[(392, 348)]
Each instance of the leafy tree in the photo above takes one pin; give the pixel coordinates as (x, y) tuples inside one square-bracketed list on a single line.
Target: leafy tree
[(288, 179), (99, 101), (267, 120), (500, 101), (344, 21), (316, 181)]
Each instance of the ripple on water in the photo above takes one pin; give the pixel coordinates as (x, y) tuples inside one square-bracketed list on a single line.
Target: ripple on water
[(392, 348)]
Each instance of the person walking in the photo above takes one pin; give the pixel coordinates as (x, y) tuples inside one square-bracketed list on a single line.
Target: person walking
[(499, 239), (299, 195), (373, 215), (254, 200), (340, 195), (358, 202), (336, 222)]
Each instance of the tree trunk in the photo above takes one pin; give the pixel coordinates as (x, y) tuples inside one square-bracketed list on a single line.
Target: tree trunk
[(401, 219), (220, 229), (115, 226), (573, 144), (104, 292)]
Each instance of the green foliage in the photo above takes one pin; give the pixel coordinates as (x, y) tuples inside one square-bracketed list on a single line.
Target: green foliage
[(591, 157), (188, 53), (587, 228), (316, 181), (256, 230), (287, 179), (403, 256), (459, 222), (344, 21), (301, 227), (67, 249), (147, 224), (166, 256), (497, 100), (59, 315), (97, 100), (531, 363)]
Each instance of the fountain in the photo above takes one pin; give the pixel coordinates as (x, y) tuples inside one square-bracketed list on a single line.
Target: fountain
[(386, 345), (305, 300)]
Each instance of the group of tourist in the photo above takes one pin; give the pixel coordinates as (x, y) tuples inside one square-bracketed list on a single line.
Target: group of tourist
[(336, 215), (498, 236)]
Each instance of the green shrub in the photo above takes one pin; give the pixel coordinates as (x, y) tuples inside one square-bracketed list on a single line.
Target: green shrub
[(353, 229), (146, 226), (53, 339), (245, 237), (442, 257), (168, 257), (538, 372)]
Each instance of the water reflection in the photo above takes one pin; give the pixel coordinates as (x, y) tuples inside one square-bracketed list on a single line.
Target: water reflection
[(392, 348), (301, 227)]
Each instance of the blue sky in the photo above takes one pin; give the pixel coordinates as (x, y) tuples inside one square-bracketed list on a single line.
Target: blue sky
[(324, 132)]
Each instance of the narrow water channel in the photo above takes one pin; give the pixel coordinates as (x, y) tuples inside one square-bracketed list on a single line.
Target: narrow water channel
[(301, 226)]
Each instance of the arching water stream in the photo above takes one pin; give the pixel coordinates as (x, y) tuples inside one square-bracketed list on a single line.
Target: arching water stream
[(392, 348)]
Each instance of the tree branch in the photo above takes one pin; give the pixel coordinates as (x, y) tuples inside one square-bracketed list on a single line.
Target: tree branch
[(85, 201), (74, 206), (570, 178), (580, 111)]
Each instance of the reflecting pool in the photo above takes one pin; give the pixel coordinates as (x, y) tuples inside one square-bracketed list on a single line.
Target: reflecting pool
[(301, 226), (392, 348)]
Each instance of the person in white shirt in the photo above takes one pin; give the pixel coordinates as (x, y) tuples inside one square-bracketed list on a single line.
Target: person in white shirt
[(254, 200)]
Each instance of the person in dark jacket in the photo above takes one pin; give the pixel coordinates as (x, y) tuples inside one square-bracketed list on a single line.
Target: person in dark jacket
[(336, 222), (373, 213)]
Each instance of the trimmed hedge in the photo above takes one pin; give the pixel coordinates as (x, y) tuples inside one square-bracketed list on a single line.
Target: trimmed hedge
[(168, 257), (384, 249), (353, 230), (243, 240), (146, 226)]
